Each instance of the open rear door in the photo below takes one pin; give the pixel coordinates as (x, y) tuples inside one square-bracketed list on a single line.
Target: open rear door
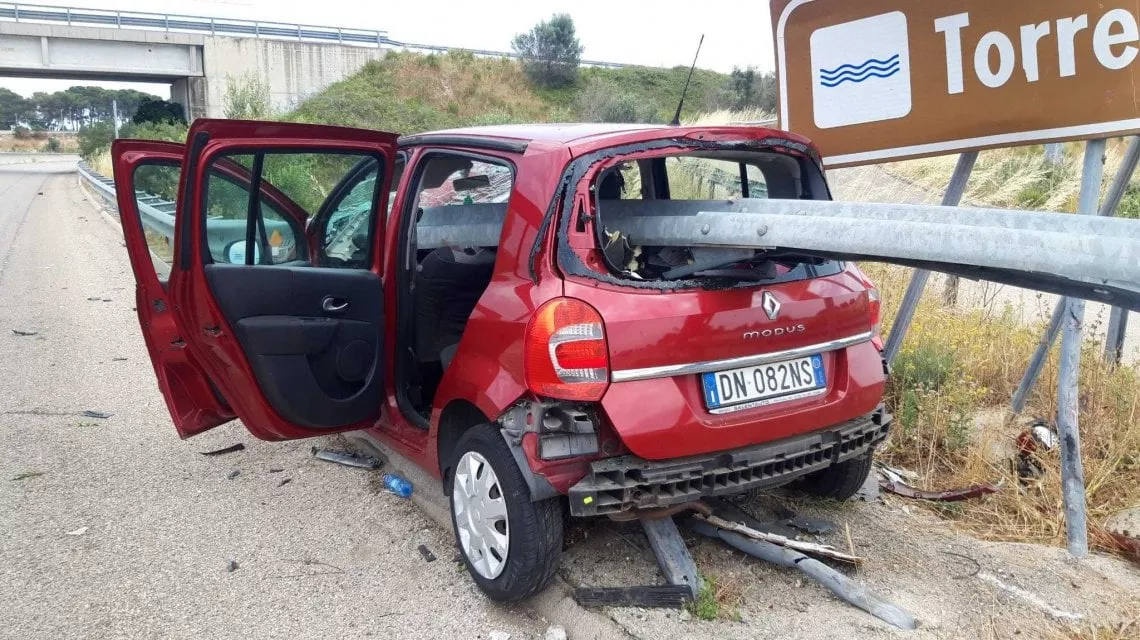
[(284, 330), (146, 178)]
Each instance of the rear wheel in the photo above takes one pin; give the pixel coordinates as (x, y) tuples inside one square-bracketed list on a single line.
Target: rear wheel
[(511, 546), (840, 481)]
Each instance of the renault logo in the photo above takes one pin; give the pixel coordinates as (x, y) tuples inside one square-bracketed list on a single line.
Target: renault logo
[(771, 305)]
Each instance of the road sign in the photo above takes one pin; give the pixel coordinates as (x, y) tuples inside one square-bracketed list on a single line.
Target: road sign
[(883, 80)]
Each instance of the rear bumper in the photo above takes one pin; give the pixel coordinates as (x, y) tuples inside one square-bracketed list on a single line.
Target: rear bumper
[(614, 485)]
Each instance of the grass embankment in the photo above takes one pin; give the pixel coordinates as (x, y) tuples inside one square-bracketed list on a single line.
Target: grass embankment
[(1021, 178)]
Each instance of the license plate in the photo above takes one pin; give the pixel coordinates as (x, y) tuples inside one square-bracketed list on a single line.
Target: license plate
[(764, 384)]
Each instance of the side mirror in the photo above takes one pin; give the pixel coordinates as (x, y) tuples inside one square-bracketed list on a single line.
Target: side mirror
[(235, 253)]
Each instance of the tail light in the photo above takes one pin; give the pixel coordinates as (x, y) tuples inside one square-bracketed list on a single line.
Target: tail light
[(566, 355), (876, 309)]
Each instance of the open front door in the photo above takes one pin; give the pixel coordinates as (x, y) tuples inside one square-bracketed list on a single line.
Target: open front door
[(284, 330)]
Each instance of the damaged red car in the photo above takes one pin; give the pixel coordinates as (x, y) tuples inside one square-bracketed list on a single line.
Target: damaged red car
[(510, 307)]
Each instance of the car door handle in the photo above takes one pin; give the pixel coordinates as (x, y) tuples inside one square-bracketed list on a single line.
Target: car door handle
[(334, 305)]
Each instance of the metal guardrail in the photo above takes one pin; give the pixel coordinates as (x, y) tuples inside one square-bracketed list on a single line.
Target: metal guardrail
[(19, 12), (156, 214)]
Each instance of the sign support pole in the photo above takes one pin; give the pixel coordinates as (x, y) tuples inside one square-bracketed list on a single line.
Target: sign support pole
[(913, 295), (1068, 407), (1119, 317)]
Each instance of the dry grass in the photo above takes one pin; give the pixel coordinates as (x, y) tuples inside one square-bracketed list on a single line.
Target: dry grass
[(101, 163), (950, 390), (68, 143), (1014, 178), (469, 88), (726, 116)]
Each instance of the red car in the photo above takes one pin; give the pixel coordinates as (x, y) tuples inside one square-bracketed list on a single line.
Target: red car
[(482, 301)]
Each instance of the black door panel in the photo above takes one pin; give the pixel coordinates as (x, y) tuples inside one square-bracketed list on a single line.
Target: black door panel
[(312, 337)]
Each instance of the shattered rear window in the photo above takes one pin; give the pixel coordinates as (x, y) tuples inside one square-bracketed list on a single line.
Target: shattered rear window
[(650, 191)]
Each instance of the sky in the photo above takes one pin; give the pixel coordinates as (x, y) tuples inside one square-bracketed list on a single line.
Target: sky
[(662, 33)]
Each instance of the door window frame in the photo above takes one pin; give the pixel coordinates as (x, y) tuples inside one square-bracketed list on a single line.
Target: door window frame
[(405, 264)]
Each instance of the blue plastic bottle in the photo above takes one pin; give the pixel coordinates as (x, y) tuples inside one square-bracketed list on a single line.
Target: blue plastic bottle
[(397, 484)]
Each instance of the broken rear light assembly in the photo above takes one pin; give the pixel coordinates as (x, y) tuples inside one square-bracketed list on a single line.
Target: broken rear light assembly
[(876, 306), (566, 355)]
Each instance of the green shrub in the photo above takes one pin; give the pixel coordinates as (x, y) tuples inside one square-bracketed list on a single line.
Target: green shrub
[(927, 366), (52, 145), (22, 133), (604, 101), (94, 138), (168, 131)]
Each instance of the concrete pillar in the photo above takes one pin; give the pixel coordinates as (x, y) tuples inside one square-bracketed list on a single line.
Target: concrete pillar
[(191, 94)]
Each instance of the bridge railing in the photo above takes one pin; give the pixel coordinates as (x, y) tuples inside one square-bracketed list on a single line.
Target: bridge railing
[(171, 22)]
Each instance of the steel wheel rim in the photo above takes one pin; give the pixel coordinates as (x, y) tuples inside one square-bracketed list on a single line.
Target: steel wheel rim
[(480, 515)]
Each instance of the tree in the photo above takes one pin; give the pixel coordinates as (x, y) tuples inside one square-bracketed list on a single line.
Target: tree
[(14, 108), (247, 98), (158, 110), (753, 89), (550, 52)]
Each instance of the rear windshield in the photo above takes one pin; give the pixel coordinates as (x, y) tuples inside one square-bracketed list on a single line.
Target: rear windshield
[(635, 200)]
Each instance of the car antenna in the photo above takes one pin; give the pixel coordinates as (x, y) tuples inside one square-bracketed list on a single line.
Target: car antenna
[(677, 116)]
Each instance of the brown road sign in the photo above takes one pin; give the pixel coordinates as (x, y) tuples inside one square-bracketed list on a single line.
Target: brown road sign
[(880, 80)]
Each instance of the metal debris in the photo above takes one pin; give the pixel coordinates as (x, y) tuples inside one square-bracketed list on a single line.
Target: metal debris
[(78, 532), (23, 333), (1124, 529), (811, 525), (232, 566), (90, 413), (349, 459), (426, 553), (275, 470), (284, 482), (660, 596), (891, 481), (1039, 437), (230, 449), (845, 588), (24, 475), (823, 550), (233, 474)]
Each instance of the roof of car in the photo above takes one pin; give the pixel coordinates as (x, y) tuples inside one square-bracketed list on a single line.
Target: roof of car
[(554, 132)]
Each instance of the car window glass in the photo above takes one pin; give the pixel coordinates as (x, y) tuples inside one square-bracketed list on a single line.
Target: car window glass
[(156, 191), (292, 188), (461, 203)]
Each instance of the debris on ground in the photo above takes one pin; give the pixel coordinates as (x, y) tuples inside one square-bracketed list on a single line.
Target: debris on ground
[(1037, 438), (78, 532), (24, 475), (500, 635), (653, 596), (23, 333), (822, 550), (276, 470), (284, 482), (233, 474), (555, 633), (397, 484), (891, 480), (119, 359), (95, 298), (347, 458), (231, 566), (91, 413), (817, 526), (230, 449), (426, 553), (845, 588)]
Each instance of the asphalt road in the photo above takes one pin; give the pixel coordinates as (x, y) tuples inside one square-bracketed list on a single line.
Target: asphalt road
[(116, 528)]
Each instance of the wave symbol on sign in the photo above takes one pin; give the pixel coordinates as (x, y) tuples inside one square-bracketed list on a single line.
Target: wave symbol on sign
[(872, 68)]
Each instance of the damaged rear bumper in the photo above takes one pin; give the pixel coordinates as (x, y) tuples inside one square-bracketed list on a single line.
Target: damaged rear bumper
[(614, 485)]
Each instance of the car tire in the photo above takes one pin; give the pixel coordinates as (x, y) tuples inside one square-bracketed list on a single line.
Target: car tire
[(840, 481), (533, 529)]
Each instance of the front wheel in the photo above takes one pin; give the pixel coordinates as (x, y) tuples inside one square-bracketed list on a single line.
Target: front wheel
[(511, 546)]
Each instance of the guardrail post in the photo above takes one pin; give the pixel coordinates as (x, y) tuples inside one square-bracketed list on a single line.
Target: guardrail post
[(257, 29), (16, 12), (905, 315), (298, 33), (1114, 342), (212, 32), (119, 19), (339, 36), (1068, 405), (69, 16), (166, 22)]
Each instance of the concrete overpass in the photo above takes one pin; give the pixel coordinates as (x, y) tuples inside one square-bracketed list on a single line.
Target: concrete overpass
[(194, 54), (195, 64)]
